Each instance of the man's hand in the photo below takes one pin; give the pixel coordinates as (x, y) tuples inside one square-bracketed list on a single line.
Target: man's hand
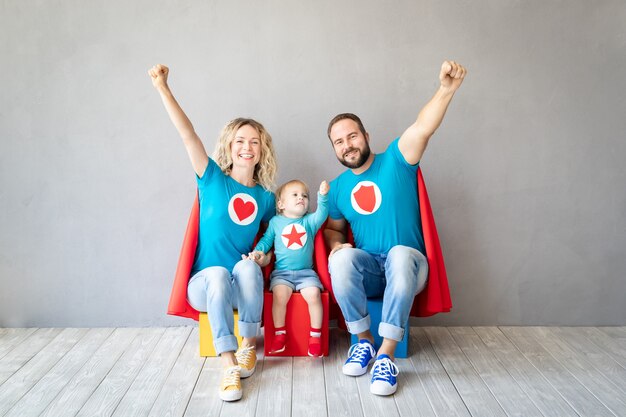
[(324, 188), (257, 256), (451, 75), (339, 247), (159, 74)]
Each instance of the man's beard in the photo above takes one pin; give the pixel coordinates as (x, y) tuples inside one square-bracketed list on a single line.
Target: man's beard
[(364, 155)]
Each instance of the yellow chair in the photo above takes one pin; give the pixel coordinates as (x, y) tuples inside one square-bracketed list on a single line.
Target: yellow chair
[(207, 348)]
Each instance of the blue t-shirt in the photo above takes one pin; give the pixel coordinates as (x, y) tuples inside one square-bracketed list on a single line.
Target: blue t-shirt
[(230, 215), (381, 204), (293, 239)]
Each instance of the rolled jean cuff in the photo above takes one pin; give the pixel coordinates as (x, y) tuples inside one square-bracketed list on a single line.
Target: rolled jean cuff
[(225, 344), (389, 331), (249, 329), (359, 326)]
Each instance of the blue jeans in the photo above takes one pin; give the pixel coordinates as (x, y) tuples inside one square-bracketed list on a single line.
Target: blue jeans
[(398, 276), (216, 291)]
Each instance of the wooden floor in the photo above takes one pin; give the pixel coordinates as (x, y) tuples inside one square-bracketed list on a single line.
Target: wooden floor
[(451, 371)]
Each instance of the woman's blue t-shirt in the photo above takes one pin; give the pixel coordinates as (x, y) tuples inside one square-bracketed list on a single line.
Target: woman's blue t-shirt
[(230, 215)]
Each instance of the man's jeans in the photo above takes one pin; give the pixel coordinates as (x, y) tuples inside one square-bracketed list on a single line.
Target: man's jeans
[(398, 276), (217, 291)]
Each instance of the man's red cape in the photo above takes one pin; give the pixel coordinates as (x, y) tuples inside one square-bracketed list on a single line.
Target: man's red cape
[(435, 298)]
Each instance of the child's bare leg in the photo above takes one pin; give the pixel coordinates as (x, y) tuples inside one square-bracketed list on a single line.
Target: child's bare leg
[(282, 293), (314, 301)]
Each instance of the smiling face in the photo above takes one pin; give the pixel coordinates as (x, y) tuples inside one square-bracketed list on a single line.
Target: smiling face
[(245, 149), (293, 201), (351, 146)]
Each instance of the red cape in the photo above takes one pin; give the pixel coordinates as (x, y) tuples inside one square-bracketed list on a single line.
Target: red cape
[(178, 299), (178, 305), (435, 298)]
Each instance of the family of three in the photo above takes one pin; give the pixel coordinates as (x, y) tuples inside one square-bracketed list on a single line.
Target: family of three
[(376, 197)]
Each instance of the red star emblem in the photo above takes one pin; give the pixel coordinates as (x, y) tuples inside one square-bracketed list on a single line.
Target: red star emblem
[(294, 236)]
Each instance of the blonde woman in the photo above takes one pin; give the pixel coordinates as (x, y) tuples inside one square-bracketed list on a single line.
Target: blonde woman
[(235, 198)]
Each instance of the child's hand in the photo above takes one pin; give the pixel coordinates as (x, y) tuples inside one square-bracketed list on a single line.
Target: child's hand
[(324, 188), (257, 256)]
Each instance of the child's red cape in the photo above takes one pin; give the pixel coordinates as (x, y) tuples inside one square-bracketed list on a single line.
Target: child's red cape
[(435, 298)]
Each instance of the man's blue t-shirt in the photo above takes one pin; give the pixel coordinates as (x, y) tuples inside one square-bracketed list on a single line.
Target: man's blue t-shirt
[(230, 215), (293, 239), (381, 204)]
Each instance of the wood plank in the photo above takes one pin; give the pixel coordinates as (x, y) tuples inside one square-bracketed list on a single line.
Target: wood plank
[(594, 355), (606, 343), (11, 338), (175, 394), (411, 398), (342, 392), (140, 397), (47, 388), (275, 395), (111, 390), (563, 381), (529, 378), (602, 388), (28, 375), (251, 388), (309, 388), (78, 390), (502, 385), (441, 392), (204, 399), (475, 394), (24, 351), (618, 333)]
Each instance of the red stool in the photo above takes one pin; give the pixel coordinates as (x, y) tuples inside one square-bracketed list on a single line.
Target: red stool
[(298, 324)]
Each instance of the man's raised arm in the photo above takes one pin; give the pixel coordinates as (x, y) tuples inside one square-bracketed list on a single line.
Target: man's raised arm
[(413, 141)]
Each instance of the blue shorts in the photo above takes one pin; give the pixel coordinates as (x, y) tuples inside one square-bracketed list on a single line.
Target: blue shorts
[(296, 280)]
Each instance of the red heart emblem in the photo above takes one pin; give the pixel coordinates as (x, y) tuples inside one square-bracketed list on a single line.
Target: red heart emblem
[(243, 209), (365, 197)]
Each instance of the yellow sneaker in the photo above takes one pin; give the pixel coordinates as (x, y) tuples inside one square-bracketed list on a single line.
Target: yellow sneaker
[(230, 390), (246, 357)]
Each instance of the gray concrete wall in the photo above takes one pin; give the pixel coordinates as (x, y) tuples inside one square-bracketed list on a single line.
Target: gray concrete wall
[(526, 175)]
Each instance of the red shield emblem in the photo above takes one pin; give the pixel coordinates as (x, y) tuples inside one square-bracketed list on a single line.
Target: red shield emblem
[(365, 197)]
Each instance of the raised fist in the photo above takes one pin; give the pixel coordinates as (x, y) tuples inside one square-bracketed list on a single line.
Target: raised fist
[(324, 188), (158, 74), (451, 75)]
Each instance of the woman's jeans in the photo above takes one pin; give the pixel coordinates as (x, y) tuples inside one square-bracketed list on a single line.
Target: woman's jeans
[(398, 276), (217, 291)]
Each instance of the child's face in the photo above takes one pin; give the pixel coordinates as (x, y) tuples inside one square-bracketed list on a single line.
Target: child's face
[(294, 200)]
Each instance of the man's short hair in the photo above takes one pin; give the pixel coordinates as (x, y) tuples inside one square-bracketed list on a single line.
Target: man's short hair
[(343, 116)]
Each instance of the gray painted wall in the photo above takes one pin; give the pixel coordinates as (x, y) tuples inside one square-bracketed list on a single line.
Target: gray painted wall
[(526, 175)]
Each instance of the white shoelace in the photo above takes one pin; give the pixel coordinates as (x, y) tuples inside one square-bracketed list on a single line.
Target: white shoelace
[(231, 377), (383, 368), (359, 350), (243, 355)]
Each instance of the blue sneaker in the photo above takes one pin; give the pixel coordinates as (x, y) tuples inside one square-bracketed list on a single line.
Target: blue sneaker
[(360, 356), (384, 373)]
